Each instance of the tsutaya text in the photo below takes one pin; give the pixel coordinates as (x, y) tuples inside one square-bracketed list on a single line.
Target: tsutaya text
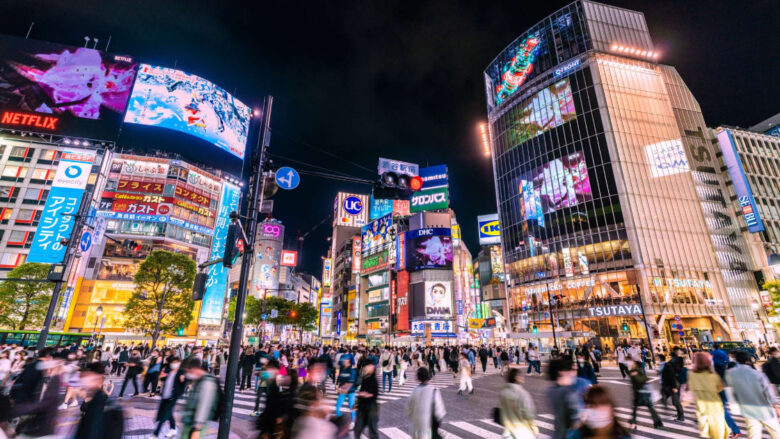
[(615, 310)]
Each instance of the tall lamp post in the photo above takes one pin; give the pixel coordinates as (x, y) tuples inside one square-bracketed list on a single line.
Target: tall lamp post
[(98, 313)]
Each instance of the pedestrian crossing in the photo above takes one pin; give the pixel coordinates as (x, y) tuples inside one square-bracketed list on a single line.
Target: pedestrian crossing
[(487, 429)]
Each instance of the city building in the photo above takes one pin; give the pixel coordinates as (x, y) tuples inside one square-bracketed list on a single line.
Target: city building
[(613, 225), (752, 162)]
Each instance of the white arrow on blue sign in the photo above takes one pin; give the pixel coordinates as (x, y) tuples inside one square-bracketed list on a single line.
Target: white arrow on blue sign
[(86, 241), (287, 178)]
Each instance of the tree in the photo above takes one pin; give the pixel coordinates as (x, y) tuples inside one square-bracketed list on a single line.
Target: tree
[(253, 310), (773, 286), (24, 304), (162, 301), (305, 318)]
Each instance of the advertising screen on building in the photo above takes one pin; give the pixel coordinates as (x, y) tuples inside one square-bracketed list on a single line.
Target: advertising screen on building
[(402, 301), (549, 108), (496, 263), (741, 185), (216, 287), (432, 199), (557, 184), (434, 176), (63, 202), (438, 300), (489, 229), (428, 248), (350, 210), (516, 70), (289, 258), (666, 158), (184, 102), (61, 89), (326, 272), (375, 235)]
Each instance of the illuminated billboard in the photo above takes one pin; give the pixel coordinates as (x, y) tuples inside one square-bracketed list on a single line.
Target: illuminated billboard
[(350, 210), (184, 102), (376, 234), (747, 203), (489, 229), (558, 184), (326, 272), (516, 70), (428, 248), (666, 158), (549, 108), (56, 88), (438, 300)]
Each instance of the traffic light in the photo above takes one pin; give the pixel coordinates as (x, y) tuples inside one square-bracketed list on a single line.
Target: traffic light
[(625, 327), (230, 255), (293, 314), (180, 332), (199, 287), (535, 330), (392, 185)]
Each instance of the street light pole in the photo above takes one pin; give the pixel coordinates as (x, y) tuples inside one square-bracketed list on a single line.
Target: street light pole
[(255, 201)]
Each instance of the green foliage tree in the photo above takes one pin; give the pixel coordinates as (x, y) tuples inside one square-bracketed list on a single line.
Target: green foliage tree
[(253, 309), (24, 304), (162, 301), (305, 318), (773, 286)]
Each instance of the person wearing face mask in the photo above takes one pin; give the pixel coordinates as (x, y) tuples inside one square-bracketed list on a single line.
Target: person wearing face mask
[(598, 417), (202, 400), (516, 408), (641, 393), (266, 422), (172, 389), (40, 410)]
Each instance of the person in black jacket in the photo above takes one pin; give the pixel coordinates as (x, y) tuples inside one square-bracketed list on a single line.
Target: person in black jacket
[(367, 409), (670, 384), (134, 368), (483, 358), (247, 363), (266, 422), (772, 367), (93, 423), (40, 408), (173, 385)]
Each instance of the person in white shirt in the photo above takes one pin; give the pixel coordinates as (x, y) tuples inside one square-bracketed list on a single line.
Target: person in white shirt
[(620, 356), (387, 363), (464, 367)]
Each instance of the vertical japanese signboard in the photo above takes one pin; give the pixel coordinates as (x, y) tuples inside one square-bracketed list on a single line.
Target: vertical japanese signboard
[(67, 189), (214, 296)]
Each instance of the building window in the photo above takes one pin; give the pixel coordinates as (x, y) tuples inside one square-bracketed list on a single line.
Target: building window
[(41, 175), (10, 260), (13, 172), (25, 216), (5, 214), (32, 194), (48, 156), (17, 238), (20, 154), (8, 194)]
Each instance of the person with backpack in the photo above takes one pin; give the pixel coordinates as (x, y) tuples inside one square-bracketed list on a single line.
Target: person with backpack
[(203, 401), (172, 389)]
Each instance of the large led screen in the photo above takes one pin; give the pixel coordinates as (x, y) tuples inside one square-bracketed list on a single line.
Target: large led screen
[(65, 82), (180, 101), (376, 234), (557, 184), (428, 248), (549, 108)]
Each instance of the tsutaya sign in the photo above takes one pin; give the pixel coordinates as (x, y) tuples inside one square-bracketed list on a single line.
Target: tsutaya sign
[(682, 283), (614, 310)]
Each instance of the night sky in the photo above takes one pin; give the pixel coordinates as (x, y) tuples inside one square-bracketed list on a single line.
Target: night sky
[(356, 80)]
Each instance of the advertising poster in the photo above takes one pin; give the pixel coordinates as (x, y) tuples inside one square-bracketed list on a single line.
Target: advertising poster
[(380, 207), (65, 195), (496, 263), (351, 210), (357, 249), (438, 300), (289, 258), (489, 229), (402, 301), (54, 88), (397, 166), (568, 265), (549, 108), (666, 158), (557, 184), (216, 286), (517, 69), (184, 102), (428, 248), (376, 234), (436, 328), (431, 199), (326, 272)]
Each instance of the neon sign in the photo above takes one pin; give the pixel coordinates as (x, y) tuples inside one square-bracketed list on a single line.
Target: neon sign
[(29, 120), (516, 70)]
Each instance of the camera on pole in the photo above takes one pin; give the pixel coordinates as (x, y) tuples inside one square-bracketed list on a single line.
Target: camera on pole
[(395, 186)]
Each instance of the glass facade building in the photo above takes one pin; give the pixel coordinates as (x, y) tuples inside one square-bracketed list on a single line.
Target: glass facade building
[(607, 207)]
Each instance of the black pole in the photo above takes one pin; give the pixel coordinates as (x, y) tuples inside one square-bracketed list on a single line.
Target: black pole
[(552, 320), (78, 224), (644, 318), (255, 201)]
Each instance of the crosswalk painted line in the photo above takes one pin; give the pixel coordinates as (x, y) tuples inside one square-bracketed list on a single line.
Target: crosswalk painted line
[(473, 429), (394, 433)]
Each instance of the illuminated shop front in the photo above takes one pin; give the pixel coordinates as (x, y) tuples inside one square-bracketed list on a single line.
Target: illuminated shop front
[(607, 196)]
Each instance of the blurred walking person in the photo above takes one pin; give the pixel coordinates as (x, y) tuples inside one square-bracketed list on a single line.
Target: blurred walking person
[(387, 360), (641, 393), (100, 419), (599, 421), (755, 396), (465, 375), (533, 360), (516, 408), (367, 409), (426, 408), (172, 389), (706, 386), (133, 369), (566, 401), (39, 411), (202, 400)]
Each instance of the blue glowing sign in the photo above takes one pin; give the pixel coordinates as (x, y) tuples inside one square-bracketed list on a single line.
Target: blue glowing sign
[(287, 178), (566, 68), (741, 185), (434, 176), (214, 296)]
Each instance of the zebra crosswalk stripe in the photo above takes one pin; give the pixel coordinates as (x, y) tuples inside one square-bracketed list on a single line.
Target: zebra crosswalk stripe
[(394, 433)]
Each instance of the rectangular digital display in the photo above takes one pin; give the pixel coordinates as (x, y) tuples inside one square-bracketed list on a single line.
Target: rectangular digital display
[(184, 102), (84, 91), (549, 108), (428, 248), (557, 184)]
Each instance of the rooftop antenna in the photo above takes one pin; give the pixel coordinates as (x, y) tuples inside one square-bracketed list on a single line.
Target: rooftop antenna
[(86, 41), (95, 40), (29, 30), (108, 42)]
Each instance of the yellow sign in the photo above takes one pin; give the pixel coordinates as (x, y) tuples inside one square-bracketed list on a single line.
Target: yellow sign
[(476, 323)]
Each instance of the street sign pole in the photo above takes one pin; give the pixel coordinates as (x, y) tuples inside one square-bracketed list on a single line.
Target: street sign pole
[(255, 201)]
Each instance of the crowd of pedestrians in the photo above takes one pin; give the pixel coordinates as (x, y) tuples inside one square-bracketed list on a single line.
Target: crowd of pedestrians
[(289, 384)]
